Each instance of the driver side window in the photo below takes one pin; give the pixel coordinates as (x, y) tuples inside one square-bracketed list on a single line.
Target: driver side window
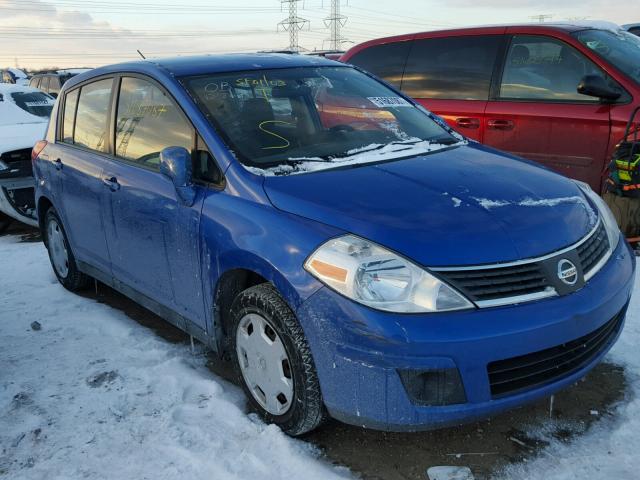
[(542, 68), (147, 122)]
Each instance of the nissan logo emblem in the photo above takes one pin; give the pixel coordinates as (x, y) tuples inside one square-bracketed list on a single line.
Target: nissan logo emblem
[(567, 272)]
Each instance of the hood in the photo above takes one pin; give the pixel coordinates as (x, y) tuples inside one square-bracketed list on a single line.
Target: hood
[(464, 206), (25, 135)]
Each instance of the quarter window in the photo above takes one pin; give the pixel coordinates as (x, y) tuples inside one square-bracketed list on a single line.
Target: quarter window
[(70, 103), (91, 124), (451, 68), (542, 68), (147, 122), (384, 61)]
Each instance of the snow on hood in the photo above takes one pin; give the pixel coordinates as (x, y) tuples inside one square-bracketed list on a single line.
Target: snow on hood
[(368, 154), (15, 137)]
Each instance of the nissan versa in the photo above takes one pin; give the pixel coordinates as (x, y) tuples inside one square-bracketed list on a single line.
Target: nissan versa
[(352, 255)]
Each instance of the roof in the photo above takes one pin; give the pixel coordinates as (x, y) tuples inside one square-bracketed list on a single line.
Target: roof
[(203, 64), (15, 87), (567, 27)]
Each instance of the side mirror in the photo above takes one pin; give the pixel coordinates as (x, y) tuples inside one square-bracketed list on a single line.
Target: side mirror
[(597, 86), (175, 163)]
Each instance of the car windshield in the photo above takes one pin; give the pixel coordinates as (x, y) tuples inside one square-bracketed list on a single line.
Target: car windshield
[(285, 120), (36, 103), (620, 48)]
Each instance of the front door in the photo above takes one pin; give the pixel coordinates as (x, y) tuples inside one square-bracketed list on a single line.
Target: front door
[(540, 115), (152, 236)]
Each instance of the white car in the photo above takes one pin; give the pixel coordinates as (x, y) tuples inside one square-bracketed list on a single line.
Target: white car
[(24, 114), (15, 75)]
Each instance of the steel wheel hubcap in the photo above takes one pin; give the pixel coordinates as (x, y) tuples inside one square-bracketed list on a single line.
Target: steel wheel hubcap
[(264, 364), (57, 249)]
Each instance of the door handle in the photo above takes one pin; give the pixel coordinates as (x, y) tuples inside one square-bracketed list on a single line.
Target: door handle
[(112, 183), (58, 163), (499, 124), (464, 122)]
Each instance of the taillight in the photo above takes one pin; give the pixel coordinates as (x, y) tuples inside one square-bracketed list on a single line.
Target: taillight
[(38, 147)]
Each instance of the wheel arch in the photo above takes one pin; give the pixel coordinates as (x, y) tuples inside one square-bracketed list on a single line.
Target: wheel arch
[(43, 205)]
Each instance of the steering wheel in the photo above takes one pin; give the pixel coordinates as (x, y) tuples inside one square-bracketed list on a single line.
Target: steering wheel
[(341, 128)]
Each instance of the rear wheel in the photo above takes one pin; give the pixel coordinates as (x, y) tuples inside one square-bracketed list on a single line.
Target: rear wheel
[(60, 254), (273, 361)]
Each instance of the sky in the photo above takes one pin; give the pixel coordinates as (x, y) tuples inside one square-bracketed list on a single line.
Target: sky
[(88, 33)]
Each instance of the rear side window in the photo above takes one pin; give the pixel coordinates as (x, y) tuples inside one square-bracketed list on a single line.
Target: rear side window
[(451, 68), (635, 30), (34, 82), (91, 120), (70, 104), (147, 122), (542, 68), (384, 61)]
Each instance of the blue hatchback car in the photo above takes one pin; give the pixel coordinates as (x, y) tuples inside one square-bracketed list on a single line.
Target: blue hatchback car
[(351, 255)]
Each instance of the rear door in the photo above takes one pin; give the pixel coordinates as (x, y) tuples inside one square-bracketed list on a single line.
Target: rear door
[(152, 236), (78, 158), (451, 76), (538, 114)]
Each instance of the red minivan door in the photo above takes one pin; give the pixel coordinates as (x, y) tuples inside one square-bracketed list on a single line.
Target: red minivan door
[(537, 113), (451, 76)]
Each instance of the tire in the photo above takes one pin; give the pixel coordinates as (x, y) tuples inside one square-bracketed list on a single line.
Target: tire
[(60, 254), (305, 410), (5, 221)]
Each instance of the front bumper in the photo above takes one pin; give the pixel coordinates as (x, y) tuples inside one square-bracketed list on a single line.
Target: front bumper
[(358, 351), (17, 199)]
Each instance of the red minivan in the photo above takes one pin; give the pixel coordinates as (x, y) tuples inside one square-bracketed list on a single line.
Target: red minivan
[(558, 94)]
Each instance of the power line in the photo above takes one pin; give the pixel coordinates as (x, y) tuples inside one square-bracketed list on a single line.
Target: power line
[(293, 24), (334, 22), (541, 18)]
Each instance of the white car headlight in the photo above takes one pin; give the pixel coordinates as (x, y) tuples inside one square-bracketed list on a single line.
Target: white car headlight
[(609, 221), (374, 276)]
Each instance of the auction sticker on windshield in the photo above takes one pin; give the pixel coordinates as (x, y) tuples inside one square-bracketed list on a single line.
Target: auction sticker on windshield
[(386, 102)]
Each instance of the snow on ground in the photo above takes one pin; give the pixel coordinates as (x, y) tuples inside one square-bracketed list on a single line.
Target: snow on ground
[(610, 450), (95, 395)]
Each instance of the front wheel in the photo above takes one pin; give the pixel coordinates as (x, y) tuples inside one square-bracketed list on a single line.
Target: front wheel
[(273, 361), (60, 254)]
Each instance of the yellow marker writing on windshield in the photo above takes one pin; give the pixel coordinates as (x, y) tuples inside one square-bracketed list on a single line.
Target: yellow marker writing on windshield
[(262, 124)]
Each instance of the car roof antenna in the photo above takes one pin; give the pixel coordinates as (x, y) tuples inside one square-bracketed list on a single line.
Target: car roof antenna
[(140, 53)]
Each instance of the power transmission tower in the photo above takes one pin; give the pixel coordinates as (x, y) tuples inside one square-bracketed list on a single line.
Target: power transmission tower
[(293, 24), (541, 18), (334, 23)]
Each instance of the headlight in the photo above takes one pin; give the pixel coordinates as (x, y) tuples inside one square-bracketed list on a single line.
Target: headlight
[(609, 221), (374, 276)]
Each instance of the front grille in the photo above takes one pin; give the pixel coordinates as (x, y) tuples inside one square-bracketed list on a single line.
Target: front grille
[(545, 366), (16, 156), (534, 279), (18, 163), (498, 282), (591, 251)]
